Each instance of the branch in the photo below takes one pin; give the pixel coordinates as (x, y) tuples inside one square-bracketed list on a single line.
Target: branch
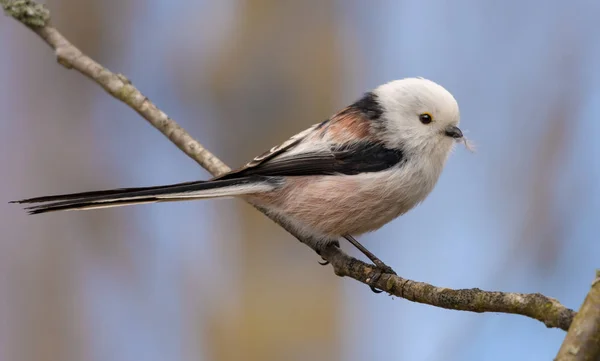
[(534, 305), (583, 339), (36, 17), (547, 310)]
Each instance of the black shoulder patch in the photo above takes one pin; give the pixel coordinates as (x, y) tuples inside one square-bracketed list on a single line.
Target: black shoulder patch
[(365, 157), (369, 106)]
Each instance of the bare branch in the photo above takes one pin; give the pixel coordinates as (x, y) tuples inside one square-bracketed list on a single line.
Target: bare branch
[(536, 306), (37, 17), (583, 339)]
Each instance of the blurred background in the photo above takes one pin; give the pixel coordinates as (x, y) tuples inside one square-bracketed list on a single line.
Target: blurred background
[(216, 280)]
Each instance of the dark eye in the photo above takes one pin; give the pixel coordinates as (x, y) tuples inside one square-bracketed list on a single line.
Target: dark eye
[(425, 118)]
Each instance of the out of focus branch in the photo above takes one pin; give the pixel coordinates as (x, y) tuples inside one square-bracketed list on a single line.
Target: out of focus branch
[(547, 310), (583, 339)]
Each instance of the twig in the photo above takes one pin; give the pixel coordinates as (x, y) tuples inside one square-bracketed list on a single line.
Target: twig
[(582, 342), (547, 310)]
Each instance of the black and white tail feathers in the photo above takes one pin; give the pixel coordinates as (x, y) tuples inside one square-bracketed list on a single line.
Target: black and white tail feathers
[(169, 193)]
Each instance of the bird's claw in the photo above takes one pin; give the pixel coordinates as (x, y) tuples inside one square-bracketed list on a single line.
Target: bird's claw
[(384, 268), (325, 262), (379, 269)]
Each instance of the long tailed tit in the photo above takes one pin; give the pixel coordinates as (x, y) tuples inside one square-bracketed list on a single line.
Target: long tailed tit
[(350, 174)]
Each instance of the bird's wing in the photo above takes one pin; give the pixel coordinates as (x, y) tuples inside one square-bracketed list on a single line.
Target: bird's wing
[(342, 144), (352, 158)]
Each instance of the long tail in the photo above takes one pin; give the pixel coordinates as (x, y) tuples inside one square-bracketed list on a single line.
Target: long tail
[(169, 193)]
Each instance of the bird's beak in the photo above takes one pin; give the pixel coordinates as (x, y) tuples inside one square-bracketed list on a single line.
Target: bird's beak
[(453, 132)]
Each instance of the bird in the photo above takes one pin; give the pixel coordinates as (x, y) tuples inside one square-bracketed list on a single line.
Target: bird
[(361, 168)]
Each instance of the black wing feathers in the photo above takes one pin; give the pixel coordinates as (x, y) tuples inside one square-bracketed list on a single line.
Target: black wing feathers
[(349, 159)]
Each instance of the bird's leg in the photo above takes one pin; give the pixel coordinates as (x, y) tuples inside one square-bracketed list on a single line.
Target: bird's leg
[(380, 266), (376, 261)]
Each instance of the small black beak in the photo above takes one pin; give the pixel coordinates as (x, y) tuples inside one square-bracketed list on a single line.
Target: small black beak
[(453, 132)]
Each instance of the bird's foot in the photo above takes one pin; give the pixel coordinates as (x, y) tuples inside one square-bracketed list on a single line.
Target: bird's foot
[(325, 262), (379, 269)]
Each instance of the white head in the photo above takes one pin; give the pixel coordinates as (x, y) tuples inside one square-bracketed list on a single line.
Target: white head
[(420, 116)]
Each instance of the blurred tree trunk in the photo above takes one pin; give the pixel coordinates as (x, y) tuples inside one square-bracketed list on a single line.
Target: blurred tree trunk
[(276, 76), (44, 315)]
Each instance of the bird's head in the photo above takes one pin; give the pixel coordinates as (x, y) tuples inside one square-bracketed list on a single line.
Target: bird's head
[(418, 116)]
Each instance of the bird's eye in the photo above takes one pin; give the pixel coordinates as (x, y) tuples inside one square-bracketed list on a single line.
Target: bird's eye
[(425, 118)]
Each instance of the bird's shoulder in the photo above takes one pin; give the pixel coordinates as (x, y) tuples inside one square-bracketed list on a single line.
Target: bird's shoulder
[(351, 124), (351, 127)]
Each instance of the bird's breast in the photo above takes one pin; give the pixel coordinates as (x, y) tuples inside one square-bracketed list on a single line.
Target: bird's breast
[(338, 204)]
